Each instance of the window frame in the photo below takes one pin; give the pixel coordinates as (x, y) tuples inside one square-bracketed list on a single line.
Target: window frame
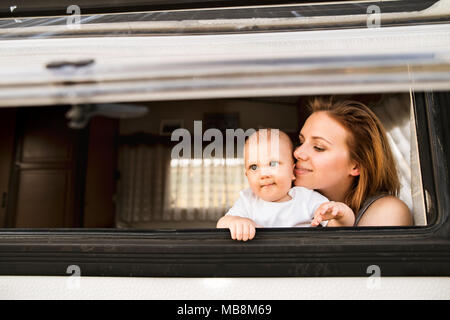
[(278, 252), (59, 7), (202, 17)]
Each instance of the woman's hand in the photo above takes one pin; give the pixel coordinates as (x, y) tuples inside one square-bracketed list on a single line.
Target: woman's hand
[(240, 228), (337, 214)]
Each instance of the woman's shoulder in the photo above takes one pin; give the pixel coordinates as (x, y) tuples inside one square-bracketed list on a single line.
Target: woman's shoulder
[(387, 211)]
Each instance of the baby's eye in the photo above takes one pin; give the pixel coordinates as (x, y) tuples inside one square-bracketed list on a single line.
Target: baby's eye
[(274, 163), (253, 167)]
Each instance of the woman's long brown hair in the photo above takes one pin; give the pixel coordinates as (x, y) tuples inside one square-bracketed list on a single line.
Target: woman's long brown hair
[(368, 147)]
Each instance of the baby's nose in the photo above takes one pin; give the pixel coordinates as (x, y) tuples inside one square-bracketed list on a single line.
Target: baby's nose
[(266, 172)]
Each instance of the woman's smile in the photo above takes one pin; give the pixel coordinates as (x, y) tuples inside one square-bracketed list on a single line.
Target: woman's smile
[(299, 170)]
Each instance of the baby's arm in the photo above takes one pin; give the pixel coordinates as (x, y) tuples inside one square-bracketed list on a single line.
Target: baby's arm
[(240, 228), (337, 214)]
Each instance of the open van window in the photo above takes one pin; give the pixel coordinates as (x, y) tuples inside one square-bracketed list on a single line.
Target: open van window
[(90, 121), (157, 191), (130, 174)]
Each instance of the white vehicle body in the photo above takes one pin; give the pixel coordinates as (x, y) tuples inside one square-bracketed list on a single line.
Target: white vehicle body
[(210, 66)]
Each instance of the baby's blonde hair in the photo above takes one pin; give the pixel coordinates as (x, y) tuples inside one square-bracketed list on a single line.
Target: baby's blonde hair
[(268, 133)]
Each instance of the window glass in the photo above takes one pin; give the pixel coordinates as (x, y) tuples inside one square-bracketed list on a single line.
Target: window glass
[(128, 173), (156, 191)]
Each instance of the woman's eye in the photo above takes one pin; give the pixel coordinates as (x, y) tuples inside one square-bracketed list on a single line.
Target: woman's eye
[(274, 163), (319, 149), (253, 167)]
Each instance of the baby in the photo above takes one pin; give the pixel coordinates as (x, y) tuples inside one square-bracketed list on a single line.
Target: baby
[(271, 201)]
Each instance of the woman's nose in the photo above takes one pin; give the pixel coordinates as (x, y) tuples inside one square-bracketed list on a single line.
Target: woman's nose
[(300, 154)]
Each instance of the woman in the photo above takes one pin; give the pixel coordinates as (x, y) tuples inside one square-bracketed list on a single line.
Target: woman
[(344, 154)]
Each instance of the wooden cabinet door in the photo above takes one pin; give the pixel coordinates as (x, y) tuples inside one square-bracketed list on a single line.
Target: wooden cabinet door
[(48, 171), (7, 129)]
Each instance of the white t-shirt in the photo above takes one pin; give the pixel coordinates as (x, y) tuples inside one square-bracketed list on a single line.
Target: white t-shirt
[(297, 212)]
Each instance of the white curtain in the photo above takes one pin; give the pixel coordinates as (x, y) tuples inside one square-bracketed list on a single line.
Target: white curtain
[(397, 116), (155, 191)]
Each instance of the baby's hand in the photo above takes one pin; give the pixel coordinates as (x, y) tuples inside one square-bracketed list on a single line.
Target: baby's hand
[(242, 229), (337, 214)]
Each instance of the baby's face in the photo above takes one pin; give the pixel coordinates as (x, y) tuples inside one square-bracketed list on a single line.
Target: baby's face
[(269, 168)]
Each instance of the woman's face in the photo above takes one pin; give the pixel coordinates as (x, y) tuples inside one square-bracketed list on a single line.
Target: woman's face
[(323, 158)]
